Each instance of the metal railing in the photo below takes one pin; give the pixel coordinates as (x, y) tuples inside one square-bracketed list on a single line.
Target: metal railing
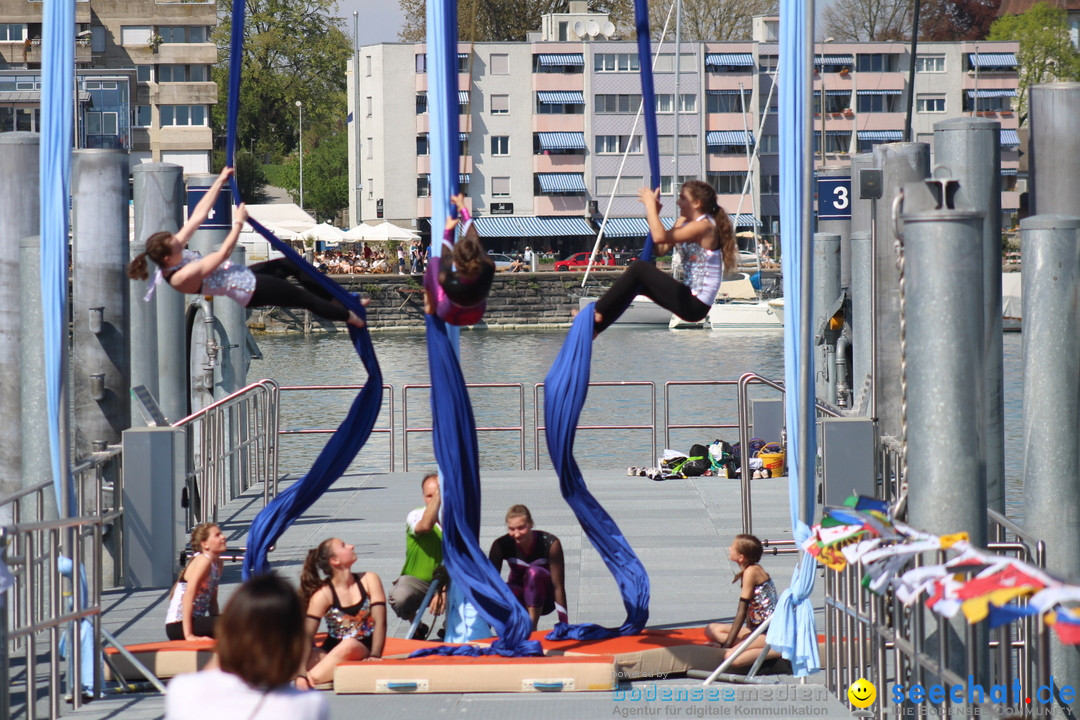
[(388, 395)]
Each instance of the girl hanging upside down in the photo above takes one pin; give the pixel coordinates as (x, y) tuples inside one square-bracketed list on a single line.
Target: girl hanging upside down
[(260, 285), (708, 240), (456, 288)]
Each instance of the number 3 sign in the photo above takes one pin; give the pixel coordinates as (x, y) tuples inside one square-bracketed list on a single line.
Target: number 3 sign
[(834, 198)]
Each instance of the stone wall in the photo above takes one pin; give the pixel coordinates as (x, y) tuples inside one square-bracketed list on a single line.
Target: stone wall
[(545, 299)]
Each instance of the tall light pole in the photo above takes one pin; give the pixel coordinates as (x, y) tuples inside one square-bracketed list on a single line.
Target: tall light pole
[(301, 144)]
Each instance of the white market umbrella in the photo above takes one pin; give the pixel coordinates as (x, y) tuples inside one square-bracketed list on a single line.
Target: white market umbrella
[(363, 231), (324, 231)]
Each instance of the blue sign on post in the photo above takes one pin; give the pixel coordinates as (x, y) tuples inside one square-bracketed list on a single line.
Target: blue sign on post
[(834, 198), (220, 215)]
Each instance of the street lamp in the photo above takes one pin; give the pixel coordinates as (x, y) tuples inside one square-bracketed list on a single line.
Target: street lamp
[(821, 72), (301, 144)]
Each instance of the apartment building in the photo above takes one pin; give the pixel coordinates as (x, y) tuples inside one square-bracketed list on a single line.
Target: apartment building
[(551, 141), (143, 71)]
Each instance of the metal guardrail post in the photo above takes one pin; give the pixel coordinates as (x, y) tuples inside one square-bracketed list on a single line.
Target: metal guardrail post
[(5, 680)]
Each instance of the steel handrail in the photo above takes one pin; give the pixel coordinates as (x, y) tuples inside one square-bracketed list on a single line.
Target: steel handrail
[(388, 396)]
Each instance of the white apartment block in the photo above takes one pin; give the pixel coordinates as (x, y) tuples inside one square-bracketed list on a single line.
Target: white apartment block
[(545, 125)]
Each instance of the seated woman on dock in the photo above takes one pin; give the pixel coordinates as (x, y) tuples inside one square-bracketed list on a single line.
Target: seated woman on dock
[(193, 604), (353, 605), (757, 601), (537, 572), (705, 231), (260, 648), (260, 285), (456, 287)]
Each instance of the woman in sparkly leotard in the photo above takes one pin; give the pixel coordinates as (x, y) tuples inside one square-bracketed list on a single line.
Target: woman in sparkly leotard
[(262, 284), (756, 601), (353, 605)]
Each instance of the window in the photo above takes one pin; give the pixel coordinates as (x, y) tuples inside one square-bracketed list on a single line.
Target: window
[(687, 63), (135, 34), (727, 183), (97, 39), (12, 32), (621, 104), (463, 105), (727, 102), (370, 188), (182, 33), (500, 104), (615, 62), (176, 115), (422, 144), (367, 66), (930, 64), (770, 184), (143, 73), (421, 102), (421, 64), (499, 64), (618, 144), (665, 63), (500, 145), (687, 103), (665, 102), (102, 123), (876, 103), (141, 116), (370, 149), (833, 103), (423, 186), (463, 62), (500, 187), (875, 62), (182, 73), (629, 185), (368, 105), (987, 104), (930, 103), (768, 63), (834, 143), (687, 144), (666, 188)]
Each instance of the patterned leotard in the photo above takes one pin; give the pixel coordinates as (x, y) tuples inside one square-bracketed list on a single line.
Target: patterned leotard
[(233, 281), (354, 621), (703, 268), (762, 604), (203, 596)]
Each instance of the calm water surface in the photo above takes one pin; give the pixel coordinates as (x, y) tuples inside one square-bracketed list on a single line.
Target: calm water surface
[(620, 354)]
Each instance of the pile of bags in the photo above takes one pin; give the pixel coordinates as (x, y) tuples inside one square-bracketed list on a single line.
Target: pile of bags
[(718, 458)]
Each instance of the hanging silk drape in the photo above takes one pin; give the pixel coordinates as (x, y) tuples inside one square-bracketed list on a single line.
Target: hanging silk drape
[(57, 113), (648, 106), (792, 631), (565, 389), (354, 431)]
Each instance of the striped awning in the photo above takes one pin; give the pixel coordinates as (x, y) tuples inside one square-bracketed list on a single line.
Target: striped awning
[(561, 182), (834, 133), (878, 92), (1009, 138), (525, 226), (994, 93), (463, 97), (729, 60), (745, 220), (561, 140), (561, 59), (560, 97), (745, 91), (881, 135), (1008, 171), (631, 227), (462, 178), (833, 93), (993, 60), (32, 96), (463, 56), (715, 138), (834, 60), (463, 137), (727, 173)]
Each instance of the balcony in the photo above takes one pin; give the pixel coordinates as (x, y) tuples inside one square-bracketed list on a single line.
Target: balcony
[(559, 163), (559, 205)]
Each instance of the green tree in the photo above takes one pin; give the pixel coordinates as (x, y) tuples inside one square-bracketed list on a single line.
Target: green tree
[(326, 176), (861, 20), (250, 176), (505, 20), (293, 50), (1045, 55), (711, 20)]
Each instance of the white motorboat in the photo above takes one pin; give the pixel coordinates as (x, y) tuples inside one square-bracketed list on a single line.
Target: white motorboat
[(777, 306), (642, 311), (737, 307)]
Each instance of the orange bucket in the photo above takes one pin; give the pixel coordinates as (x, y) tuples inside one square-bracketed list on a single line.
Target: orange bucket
[(772, 459)]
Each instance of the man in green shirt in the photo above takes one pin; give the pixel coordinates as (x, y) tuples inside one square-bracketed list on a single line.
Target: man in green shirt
[(423, 552)]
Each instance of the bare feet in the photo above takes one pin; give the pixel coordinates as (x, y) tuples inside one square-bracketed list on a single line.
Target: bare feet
[(355, 320), (598, 318)]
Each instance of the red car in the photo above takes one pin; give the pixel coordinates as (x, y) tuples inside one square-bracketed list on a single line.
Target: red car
[(580, 261)]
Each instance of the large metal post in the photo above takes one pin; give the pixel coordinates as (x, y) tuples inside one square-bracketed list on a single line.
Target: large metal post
[(827, 302), (862, 209), (158, 197), (970, 150), (839, 226), (862, 325), (19, 210), (1051, 248), (36, 457), (232, 329), (900, 163), (1054, 146), (942, 364), (100, 372)]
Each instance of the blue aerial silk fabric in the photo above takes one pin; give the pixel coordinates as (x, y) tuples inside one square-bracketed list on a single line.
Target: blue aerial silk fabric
[(792, 631), (565, 389), (54, 156), (345, 443), (648, 106), (454, 438)]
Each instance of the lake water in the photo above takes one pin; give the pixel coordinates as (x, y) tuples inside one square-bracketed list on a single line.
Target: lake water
[(620, 354)]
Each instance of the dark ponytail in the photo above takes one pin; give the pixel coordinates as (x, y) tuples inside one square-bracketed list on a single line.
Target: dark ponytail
[(316, 564), (158, 248), (705, 194)]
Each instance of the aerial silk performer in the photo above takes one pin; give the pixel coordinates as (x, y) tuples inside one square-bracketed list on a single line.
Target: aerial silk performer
[(792, 631), (473, 577), (354, 431), (565, 389)]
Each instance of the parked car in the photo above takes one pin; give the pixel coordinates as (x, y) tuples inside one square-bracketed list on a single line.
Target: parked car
[(580, 261), (501, 260)]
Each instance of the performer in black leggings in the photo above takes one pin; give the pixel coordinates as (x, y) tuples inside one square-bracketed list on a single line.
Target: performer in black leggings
[(705, 234), (262, 284)]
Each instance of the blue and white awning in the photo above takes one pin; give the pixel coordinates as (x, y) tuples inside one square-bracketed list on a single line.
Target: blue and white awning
[(1006, 172), (833, 93), (463, 137), (632, 227), (881, 135), (1009, 138), (463, 56), (716, 138), (463, 97), (561, 182), (561, 59), (729, 60), (993, 93), (744, 91), (833, 133), (834, 60), (560, 97), (878, 92), (992, 60), (524, 226), (561, 140), (745, 220)]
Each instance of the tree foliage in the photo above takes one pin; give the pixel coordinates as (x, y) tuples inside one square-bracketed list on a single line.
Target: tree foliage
[(293, 50), (505, 20), (862, 20), (712, 20), (957, 19), (1045, 55), (326, 176)]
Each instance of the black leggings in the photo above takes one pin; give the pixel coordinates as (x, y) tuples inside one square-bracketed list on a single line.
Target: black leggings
[(643, 278), (272, 288), (202, 625)]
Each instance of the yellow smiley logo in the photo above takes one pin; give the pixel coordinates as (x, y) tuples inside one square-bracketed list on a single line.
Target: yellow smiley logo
[(862, 693)]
